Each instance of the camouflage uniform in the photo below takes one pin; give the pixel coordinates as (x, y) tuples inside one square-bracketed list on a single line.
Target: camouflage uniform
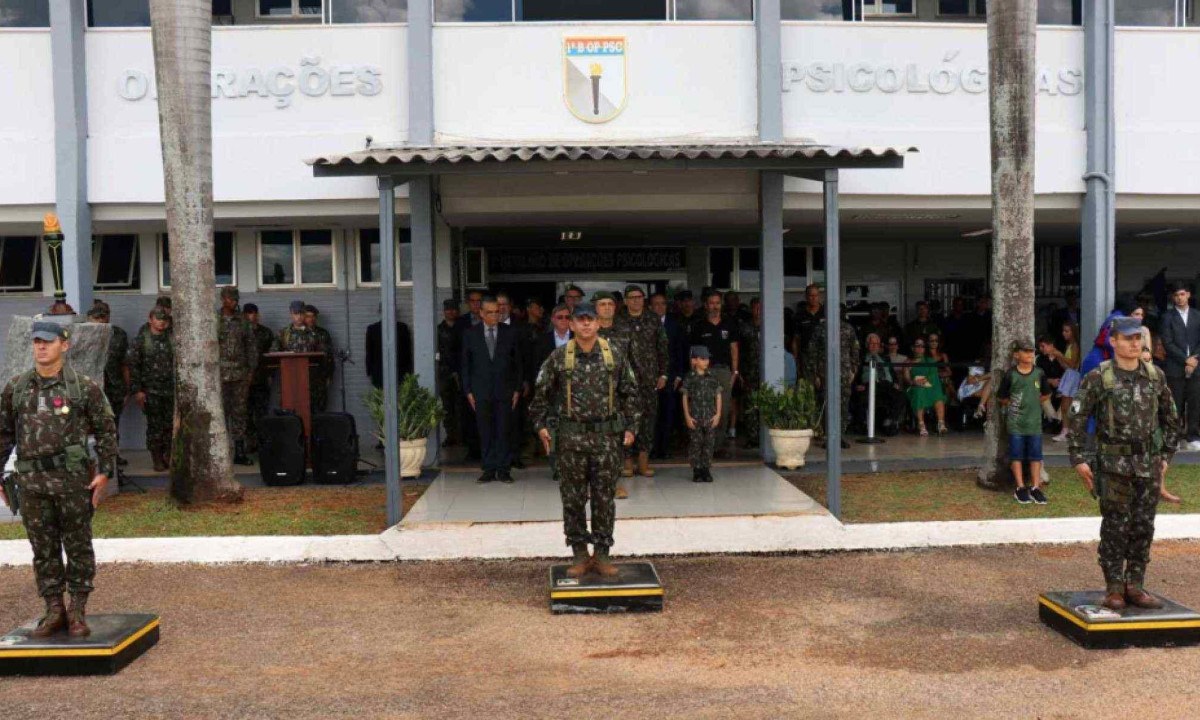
[(304, 339), (115, 388), (646, 346), (259, 399), (237, 346), (323, 373), (701, 392), (1137, 426), (152, 371), (814, 363), (588, 436), (47, 421), (750, 366)]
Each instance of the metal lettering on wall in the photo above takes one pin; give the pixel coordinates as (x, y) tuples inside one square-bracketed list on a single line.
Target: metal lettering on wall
[(279, 83), (942, 79), (539, 260)]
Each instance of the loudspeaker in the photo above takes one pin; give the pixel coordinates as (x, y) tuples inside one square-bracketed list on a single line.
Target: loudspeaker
[(281, 449), (335, 448)]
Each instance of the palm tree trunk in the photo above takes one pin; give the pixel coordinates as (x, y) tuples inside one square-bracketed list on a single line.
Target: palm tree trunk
[(1012, 34), (200, 464)]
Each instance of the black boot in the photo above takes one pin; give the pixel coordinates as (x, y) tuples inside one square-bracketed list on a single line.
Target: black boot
[(708, 475), (697, 475), (239, 454)]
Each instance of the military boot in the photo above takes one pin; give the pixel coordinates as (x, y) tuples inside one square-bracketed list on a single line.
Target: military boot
[(583, 561), (1137, 597), (643, 467), (602, 563), (627, 470), (239, 454), (1114, 601), (79, 626), (54, 620)]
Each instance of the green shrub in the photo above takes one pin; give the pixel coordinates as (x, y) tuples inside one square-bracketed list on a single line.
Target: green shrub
[(787, 408), (420, 410)]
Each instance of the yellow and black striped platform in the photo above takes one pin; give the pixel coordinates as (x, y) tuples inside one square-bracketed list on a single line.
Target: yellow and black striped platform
[(116, 641), (1079, 616), (637, 588)]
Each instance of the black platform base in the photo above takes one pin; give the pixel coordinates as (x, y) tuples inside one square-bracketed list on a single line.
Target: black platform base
[(1081, 617), (635, 589), (116, 641)]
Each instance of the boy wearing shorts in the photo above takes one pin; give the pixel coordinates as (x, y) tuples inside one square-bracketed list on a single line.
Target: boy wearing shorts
[(1021, 392)]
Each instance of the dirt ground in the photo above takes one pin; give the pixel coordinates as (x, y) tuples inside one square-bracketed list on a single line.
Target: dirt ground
[(940, 634)]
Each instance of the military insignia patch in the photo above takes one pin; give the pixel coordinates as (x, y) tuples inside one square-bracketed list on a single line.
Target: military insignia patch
[(594, 77)]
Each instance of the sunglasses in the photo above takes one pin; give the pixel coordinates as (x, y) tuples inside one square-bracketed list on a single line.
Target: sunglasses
[(918, 345)]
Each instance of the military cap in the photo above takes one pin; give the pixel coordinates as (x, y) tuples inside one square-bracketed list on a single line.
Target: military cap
[(296, 306), (533, 301), (1022, 344), (163, 301), (683, 295), (44, 330), (250, 308), (312, 309), (602, 295), (617, 296), (1126, 326), (700, 351), (230, 292), (99, 309), (584, 309), (574, 287), (159, 313), (449, 304), (634, 288)]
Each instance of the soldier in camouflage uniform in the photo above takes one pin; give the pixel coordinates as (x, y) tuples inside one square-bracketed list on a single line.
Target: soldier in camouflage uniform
[(259, 399), (702, 413), (322, 374), (299, 337), (587, 394), (152, 382), (1137, 431), (47, 414), (238, 350), (814, 365), (750, 364), (116, 372), (646, 347)]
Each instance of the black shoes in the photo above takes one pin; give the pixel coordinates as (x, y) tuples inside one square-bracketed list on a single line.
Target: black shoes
[(1038, 496), (486, 477), (518, 464), (1022, 495), (505, 477), (702, 475)]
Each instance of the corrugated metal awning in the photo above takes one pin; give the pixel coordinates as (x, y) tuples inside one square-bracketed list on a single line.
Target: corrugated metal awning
[(439, 159)]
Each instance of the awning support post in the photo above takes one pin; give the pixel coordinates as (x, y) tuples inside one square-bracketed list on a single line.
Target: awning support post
[(387, 301), (833, 346), (771, 287), (424, 289)]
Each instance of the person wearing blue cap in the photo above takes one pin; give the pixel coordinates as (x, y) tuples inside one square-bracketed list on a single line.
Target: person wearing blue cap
[(1137, 432)]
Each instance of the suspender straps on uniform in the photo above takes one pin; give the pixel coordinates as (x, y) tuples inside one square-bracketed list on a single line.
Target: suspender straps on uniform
[(1108, 377), (609, 363)]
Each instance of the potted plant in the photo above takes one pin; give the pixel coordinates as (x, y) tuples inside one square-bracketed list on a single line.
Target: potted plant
[(790, 414), (419, 412)]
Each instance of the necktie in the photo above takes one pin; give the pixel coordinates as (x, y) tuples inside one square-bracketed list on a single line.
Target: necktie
[(491, 343)]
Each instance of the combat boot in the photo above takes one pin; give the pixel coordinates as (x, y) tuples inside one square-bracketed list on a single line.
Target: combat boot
[(79, 626), (644, 465), (239, 454), (583, 561), (54, 620), (1114, 601), (1137, 597), (627, 470), (602, 564)]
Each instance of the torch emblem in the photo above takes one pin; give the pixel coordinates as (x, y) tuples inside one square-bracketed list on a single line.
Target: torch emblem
[(594, 75)]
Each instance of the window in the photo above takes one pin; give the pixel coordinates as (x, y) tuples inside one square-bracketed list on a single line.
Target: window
[(115, 263), (24, 13), (748, 268), (1060, 12), (820, 9), (20, 264), (720, 268), (713, 9), (289, 8), (738, 268), (592, 10), (288, 258), (224, 254), (118, 13), (369, 272), (889, 7), (475, 267), (1057, 269), (473, 10), (544, 10), (1158, 13), (368, 11)]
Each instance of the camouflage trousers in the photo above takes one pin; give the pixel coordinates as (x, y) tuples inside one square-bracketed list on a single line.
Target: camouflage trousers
[(58, 523), (644, 438), (234, 399), (702, 440), (160, 419), (258, 404), (589, 473), (1127, 509)]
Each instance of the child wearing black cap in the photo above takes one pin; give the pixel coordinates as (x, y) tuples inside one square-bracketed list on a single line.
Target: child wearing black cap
[(702, 412)]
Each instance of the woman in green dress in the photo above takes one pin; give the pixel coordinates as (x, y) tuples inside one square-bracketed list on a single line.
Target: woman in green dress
[(925, 388)]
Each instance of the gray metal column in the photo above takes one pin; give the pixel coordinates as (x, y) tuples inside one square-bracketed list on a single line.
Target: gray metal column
[(833, 346), (1098, 240), (387, 300), (70, 148), (420, 72), (424, 293), (770, 255), (770, 59)]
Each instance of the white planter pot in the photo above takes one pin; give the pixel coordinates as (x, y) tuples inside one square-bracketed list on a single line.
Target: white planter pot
[(790, 447), (412, 456)]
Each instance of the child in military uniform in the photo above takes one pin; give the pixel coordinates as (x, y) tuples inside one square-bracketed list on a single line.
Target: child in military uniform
[(1022, 391), (702, 412)]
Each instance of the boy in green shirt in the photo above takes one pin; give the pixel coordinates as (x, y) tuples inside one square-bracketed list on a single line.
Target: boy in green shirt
[(1021, 392)]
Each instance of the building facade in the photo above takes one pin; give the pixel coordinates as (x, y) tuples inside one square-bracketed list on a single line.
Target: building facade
[(295, 79)]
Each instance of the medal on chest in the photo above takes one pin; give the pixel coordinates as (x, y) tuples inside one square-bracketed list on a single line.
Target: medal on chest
[(61, 407)]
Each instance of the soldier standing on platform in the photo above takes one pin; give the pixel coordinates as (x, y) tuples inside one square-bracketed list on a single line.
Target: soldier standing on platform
[(152, 383), (299, 337), (238, 350), (587, 393), (814, 365), (646, 346), (449, 348), (259, 399), (1137, 431), (116, 371), (47, 414), (321, 377)]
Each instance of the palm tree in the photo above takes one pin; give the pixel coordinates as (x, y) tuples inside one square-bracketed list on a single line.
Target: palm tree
[(1012, 35), (200, 464)]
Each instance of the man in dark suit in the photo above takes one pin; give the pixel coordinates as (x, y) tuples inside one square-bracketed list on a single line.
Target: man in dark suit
[(1181, 338), (677, 363), (546, 342), (404, 356), (491, 377)]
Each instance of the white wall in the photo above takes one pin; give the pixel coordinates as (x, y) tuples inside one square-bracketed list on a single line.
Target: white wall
[(259, 143), (27, 118)]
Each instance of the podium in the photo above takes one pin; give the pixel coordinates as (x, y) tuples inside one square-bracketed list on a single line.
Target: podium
[(294, 385)]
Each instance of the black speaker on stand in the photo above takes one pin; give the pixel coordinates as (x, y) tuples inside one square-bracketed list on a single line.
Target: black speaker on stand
[(281, 456), (335, 448)]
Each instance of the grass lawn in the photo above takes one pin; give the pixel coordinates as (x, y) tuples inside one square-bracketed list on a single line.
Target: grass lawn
[(303, 510), (953, 495)]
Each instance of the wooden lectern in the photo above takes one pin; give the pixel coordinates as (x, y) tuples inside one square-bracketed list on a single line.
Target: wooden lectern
[(293, 385)]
